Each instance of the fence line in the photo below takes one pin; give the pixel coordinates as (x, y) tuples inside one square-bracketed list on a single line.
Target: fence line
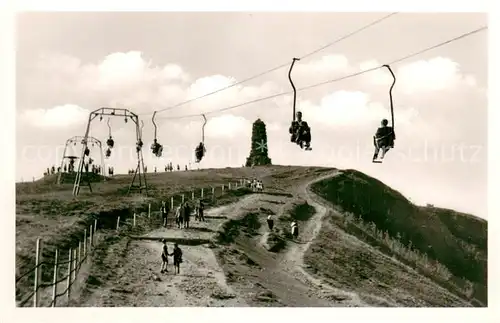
[(77, 256)]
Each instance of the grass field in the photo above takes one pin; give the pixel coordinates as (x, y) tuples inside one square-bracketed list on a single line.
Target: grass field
[(50, 212), (453, 244), (448, 246)]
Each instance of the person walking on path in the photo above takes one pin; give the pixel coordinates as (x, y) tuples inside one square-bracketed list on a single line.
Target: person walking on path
[(177, 253), (164, 212), (295, 229), (270, 222), (164, 257)]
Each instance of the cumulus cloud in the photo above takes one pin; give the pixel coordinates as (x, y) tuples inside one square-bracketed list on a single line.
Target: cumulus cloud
[(228, 125), (422, 76), (354, 106), (125, 77), (65, 116)]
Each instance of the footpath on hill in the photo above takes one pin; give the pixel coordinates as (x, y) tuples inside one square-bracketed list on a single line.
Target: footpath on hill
[(243, 273)]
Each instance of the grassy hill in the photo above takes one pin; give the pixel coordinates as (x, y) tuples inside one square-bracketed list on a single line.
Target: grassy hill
[(50, 211), (455, 243)]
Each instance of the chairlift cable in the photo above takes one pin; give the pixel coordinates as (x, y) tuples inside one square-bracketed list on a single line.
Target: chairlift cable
[(280, 66), (333, 80)]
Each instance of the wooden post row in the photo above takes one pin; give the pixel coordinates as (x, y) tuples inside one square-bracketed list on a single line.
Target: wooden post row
[(134, 219), (202, 192), (172, 203), (85, 243), (118, 223), (54, 280), (36, 295), (74, 264), (79, 254), (68, 282), (90, 238)]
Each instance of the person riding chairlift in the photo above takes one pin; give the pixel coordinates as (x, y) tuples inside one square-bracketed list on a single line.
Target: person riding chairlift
[(156, 148), (199, 152), (383, 140), (301, 132)]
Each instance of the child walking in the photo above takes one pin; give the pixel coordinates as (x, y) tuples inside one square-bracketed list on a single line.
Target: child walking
[(164, 257)]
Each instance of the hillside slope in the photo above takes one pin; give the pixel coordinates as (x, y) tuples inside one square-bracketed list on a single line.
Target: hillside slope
[(451, 246), (397, 235), (50, 212)]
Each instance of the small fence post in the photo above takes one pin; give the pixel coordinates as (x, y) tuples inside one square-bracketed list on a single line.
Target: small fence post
[(229, 186), (192, 195), (172, 203), (118, 223), (54, 281), (37, 273), (213, 191), (74, 264), (149, 210), (79, 254), (202, 193), (134, 219), (182, 198), (90, 238), (94, 237), (68, 283), (85, 243), (222, 188)]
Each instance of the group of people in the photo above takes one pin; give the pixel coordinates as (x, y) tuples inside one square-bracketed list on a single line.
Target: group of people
[(254, 184), (182, 217), (294, 226), (383, 140), (168, 168), (184, 211), (177, 254), (70, 168)]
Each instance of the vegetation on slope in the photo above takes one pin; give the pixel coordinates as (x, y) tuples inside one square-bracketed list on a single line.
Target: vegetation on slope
[(455, 240), (299, 211), (49, 211)]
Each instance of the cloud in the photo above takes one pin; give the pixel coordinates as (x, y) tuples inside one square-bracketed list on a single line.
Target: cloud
[(229, 126), (65, 116), (123, 77), (422, 76), (350, 109)]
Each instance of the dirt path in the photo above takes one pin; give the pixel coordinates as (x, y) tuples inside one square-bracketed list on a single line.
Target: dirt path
[(200, 283), (294, 257), (241, 274), (282, 275)]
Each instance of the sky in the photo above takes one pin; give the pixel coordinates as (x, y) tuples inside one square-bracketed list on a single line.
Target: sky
[(69, 64)]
